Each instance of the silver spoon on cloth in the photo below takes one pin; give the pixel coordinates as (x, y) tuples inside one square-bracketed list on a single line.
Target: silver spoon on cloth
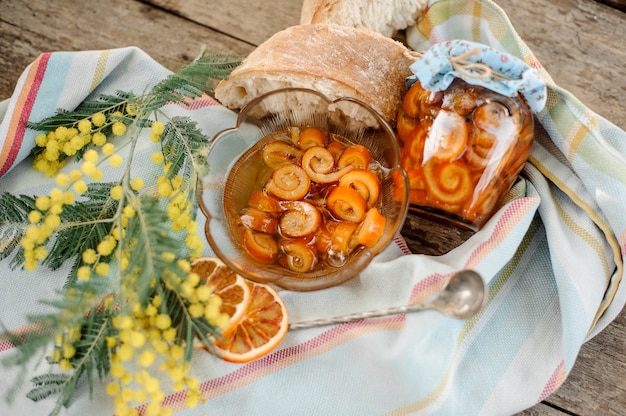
[(461, 297)]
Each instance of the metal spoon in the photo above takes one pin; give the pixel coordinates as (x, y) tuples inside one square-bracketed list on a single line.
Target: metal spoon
[(461, 297)]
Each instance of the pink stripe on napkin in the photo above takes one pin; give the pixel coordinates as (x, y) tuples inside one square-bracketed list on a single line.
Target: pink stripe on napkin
[(21, 112), (509, 219), (555, 381), (251, 372)]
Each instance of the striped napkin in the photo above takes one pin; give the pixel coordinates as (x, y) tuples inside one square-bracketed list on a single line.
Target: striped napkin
[(552, 258)]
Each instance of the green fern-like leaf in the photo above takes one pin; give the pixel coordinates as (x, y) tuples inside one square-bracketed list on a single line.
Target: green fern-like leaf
[(188, 328), (151, 244), (181, 142), (14, 212), (192, 80), (91, 357), (104, 103), (84, 224), (47, 385), (44, 379)]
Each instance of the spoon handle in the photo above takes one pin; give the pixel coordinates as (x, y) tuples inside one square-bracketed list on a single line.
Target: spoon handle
[(357, 316)]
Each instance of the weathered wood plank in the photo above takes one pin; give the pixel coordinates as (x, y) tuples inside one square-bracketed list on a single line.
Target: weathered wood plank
[(28, 29), (618, 4), (580, 43), (261, 19), (543, 410)]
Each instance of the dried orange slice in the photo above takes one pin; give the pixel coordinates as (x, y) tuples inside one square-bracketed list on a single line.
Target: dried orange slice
[(259, 331), (228, 285)]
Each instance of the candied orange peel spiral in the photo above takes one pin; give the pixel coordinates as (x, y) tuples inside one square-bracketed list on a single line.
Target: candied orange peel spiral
[(278, 152), (299, 219), (319, 163), (448, 183), (262, 247), (356, 155), (365, 182), (299, 256), (346, 204), (289, 182)]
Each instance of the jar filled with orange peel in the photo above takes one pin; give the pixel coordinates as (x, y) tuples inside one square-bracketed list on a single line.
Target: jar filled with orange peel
[(463, 144)]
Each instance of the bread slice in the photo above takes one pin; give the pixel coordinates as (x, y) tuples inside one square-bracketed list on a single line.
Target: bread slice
[(383, 16), (337, 61)]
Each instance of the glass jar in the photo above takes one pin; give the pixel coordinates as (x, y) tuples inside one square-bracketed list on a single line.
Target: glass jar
[(462, 149)]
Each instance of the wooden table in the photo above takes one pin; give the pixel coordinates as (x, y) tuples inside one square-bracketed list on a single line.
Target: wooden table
[(580, 42)]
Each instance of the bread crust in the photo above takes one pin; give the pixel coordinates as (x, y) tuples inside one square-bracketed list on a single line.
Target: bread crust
[(386, 17), (336, 61)]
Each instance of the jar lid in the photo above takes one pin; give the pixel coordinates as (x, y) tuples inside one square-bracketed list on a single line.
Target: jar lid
[(479, 64)]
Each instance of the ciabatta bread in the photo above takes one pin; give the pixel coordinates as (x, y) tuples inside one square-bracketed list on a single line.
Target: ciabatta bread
[(337, 61), (383, 16)]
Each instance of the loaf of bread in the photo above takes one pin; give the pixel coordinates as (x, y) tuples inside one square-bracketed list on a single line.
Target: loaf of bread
[(337, 61), (383, 16)]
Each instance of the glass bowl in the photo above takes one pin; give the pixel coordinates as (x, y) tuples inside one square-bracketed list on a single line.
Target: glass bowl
[(237, 170)]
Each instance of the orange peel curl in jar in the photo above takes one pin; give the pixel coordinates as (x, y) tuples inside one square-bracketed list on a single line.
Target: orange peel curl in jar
[(448, 183), (447, 137)]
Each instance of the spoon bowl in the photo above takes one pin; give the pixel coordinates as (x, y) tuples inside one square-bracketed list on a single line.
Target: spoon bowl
[(461, 297)]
